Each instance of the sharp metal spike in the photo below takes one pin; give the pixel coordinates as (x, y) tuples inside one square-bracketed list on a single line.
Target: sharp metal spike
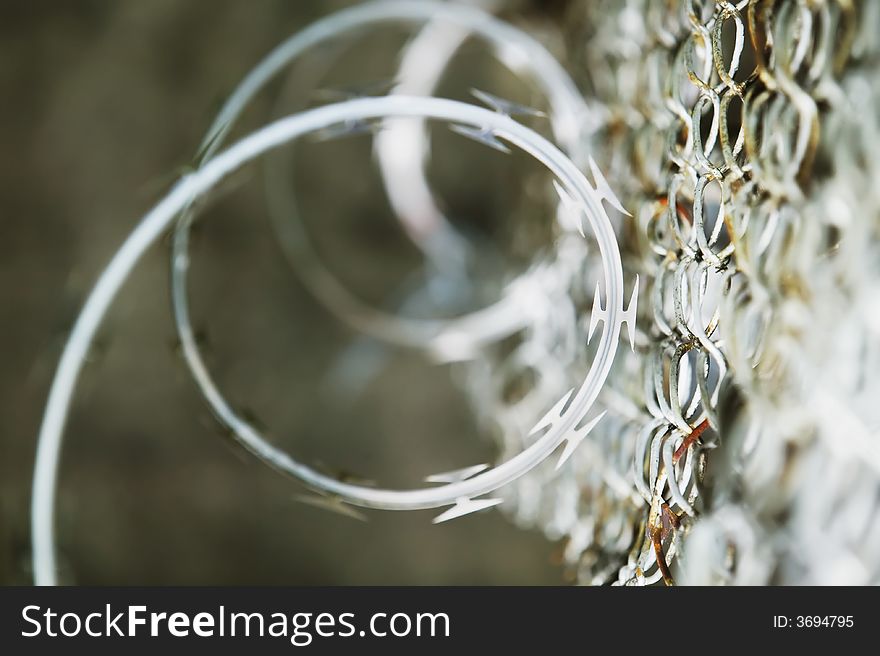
[(604, 189), (457, 475), (572, 210), (333, 504), (484, 136), (597, 314), (629, 315), (553, 414), (573, 440), (504, 106), (465, 506), (346, 129)]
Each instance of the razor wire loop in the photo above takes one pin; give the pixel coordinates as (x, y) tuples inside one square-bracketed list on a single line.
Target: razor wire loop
[(565, 422), (222, 409), (443, 340)]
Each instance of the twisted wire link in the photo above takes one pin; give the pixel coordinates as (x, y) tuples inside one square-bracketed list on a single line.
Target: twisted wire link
[(742, 136), (744, 228)]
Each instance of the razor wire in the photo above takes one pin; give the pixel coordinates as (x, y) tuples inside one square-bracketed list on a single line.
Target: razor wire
[(741, 442), (565, 423)]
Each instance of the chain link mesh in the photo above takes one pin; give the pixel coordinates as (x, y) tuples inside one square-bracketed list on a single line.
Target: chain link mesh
[(741, 136)]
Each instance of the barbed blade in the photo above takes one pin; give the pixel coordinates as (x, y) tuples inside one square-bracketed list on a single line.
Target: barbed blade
[(554, 414), (346, 129), (333, 504), (604, 189), (573, 211), (484, 136), (465, 506), (628, 317), (504, 106), (573, 439)]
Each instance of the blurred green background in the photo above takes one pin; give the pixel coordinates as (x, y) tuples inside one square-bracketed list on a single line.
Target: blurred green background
[(103, 104)]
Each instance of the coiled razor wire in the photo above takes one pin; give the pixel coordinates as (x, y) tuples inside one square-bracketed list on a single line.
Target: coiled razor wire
[(740, 440), (564, 422)]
